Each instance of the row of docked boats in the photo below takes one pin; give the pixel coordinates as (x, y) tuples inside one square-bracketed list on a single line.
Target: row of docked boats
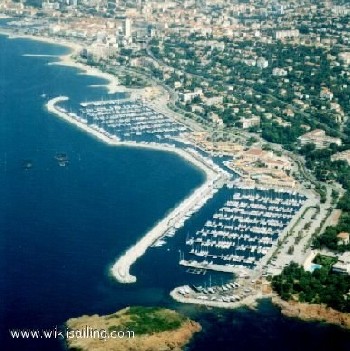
[(130, 119), (244, 229), (230, 292)]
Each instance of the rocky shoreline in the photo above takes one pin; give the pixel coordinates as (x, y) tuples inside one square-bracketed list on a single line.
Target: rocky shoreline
[(312, 312), (116, 338)]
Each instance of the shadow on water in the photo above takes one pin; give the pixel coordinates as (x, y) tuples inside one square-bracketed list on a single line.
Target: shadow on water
[(263, 329)]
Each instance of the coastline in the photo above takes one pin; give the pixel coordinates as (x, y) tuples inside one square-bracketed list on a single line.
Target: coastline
[(299, 310), (121, 268), (113, 86), (312, 312), (178, 331)]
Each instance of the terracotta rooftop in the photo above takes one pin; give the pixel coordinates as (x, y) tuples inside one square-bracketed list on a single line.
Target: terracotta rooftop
[(343, 235)]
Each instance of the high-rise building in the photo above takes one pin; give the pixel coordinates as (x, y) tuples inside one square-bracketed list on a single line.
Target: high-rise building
[(127, 27)]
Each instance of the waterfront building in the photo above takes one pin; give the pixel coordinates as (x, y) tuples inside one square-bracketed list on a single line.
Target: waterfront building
[(46, 5)]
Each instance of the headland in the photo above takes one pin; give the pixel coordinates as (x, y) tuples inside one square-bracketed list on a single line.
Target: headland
[(312, 312), (133, 328)]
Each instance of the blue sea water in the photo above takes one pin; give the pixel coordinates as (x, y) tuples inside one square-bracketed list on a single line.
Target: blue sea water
[(62, 227)]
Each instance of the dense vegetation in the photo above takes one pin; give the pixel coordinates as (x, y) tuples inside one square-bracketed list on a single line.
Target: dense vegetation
[(150, 320), (326, 261), (329, 237), (319, 161), (321, 286)]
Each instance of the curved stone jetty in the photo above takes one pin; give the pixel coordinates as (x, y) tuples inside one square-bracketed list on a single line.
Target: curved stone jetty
[(121, 269)]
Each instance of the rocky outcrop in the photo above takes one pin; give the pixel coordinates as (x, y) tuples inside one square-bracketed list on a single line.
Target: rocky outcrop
[(173, 339), (312, 312)]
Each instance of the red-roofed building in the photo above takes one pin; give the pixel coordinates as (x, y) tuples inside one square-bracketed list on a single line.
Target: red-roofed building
[(343, 238)]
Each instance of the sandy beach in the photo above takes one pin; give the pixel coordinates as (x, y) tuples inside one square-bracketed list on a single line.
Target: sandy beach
[(112, 84)]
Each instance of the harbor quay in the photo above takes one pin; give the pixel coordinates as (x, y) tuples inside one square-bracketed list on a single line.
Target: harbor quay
[(310, 201), (242, 291), (175, 219)]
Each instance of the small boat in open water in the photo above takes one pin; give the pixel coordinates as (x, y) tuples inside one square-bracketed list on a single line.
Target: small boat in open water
[(27, 164), (62, 159)]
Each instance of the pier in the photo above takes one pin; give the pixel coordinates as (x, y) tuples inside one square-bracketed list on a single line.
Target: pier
[(229, 295), (121, 269)]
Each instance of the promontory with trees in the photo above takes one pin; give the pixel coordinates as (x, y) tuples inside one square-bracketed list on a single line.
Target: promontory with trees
[(320, 286)]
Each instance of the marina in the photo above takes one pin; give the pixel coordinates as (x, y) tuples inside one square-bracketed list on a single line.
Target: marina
[(129, 120), (84, 235), (215, 176), (232, 294), (243, 230), (240, 233)]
